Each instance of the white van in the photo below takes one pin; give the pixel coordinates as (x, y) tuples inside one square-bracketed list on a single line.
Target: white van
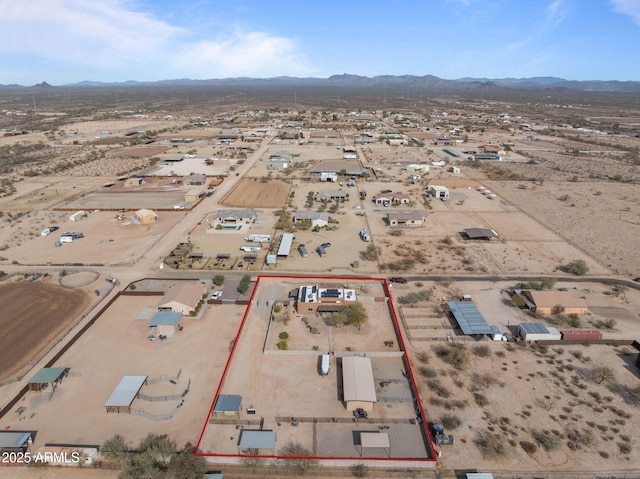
[(66, 239), (45, 232)]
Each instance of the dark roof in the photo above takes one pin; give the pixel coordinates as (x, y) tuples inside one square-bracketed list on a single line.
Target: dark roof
[(469, 318), (480, 233), (165, 318)]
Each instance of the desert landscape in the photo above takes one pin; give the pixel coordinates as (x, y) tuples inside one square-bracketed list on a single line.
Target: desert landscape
[(557, 212)]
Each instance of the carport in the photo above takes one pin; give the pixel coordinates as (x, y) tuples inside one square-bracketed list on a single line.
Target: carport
[(47, 376), (374, 440), (255, 440)]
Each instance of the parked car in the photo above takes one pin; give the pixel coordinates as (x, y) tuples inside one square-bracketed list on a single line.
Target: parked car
[(216, 295), (637, 280), (325, 245), (398, 280), (54, 228)]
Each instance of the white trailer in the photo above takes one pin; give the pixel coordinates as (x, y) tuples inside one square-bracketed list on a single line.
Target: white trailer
[(325, 364), (250, 249), (258, 238)]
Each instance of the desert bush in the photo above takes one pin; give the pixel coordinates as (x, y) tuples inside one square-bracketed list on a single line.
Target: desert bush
[(283, 335), (549, 440), (359, 470), (423, 357), (438, 388), (455, 355), (427, 372), (577, 267), (480, 399), (449, 421), (492, 446), (528, 447), (218, 280), (624, 448), (482, 351), (283, 345)]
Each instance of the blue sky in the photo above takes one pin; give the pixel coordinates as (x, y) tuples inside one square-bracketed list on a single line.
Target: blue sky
[(66, 41)]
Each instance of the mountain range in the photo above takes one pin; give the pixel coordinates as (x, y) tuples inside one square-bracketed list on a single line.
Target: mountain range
[(426, 82)]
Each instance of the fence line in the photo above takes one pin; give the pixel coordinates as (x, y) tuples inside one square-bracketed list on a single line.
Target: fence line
[(165, 379), (166, 398)]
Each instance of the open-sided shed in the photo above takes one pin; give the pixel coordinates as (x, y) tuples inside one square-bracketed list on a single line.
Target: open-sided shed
[(124, 394), (14, 441), (375, 440), (469, 318), (251, 440), (47, 376)]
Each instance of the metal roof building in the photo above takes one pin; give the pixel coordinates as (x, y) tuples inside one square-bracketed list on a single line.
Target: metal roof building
[(285, 244), (250, 439), (228, 404), (124, 394), (538, 331), (480, 233), (46, 376), (469, 318), (14, 441), (357, 383), (375, 440)]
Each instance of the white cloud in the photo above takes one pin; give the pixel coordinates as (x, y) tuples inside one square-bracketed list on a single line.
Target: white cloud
[(628, 7), (111, 38), (555, 13)]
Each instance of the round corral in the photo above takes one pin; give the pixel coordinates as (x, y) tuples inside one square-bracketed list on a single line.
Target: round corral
[(79, 280)]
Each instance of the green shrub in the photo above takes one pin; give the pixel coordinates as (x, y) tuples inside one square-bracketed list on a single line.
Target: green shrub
[(283, 345), (528, 447), (283, 335), (218, 279)]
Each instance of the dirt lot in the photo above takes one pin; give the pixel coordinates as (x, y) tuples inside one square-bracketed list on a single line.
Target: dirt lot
[(106, 240), (33, 315), (273, 389), (76, 413), (252, 193)]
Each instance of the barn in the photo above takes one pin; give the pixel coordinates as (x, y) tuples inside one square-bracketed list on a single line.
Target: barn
[(146, 216), (357, 383)]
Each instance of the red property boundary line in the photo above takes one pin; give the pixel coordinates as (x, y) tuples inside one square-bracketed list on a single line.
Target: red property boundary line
[(396, 325)]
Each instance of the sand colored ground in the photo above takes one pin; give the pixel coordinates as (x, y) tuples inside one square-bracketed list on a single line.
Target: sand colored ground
[(270, 383), (252, 193), (33, 315), (199, 351)]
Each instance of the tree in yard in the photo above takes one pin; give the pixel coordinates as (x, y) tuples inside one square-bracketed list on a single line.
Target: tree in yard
[(296, 460), (356, 315), (186, 465), (578, 267), (218, 279), (548, 283), (115, 449), (243, 286), (602, 373)]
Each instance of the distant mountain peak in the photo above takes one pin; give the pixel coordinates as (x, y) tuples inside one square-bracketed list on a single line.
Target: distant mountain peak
[(43, 84)]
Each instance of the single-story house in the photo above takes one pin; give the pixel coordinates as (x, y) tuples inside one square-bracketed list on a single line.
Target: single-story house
[(330, 195), (443, 141), (182, 297), (357, 383), (392, 198), (281, 156), (196, 179), (436, 191), (329, 176), (318, 219), (546, 302), (236, 216), (165, 323), (406, 218), (146, 216)]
